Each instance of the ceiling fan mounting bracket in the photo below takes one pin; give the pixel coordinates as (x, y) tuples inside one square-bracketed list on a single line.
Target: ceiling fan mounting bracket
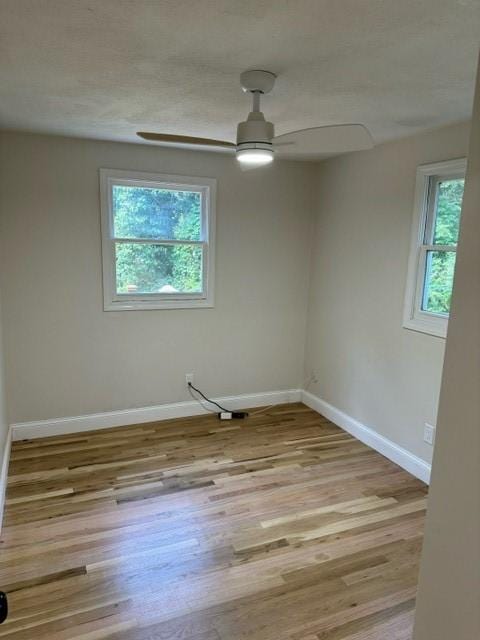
[(257, 80)]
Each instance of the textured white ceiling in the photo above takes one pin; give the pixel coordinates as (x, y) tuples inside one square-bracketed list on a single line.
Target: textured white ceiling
[(107, 68)]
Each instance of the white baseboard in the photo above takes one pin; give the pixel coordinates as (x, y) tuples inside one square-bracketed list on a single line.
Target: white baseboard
[(78, 424), (93, 421), (4, 473), (405, 459)]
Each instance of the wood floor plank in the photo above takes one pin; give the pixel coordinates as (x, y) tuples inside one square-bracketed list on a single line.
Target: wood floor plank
[(281, 527)]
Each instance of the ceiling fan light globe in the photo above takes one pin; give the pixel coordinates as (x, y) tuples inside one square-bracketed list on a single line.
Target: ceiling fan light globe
[(255, 157)]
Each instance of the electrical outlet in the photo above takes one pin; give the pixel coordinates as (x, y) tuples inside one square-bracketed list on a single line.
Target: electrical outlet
[(189, 378), (429, 434)]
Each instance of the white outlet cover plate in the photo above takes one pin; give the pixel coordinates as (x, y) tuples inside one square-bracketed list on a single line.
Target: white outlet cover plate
[(429, 434)]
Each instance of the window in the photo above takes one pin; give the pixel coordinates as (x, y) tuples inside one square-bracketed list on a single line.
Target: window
[(436, 221), (157, 240)]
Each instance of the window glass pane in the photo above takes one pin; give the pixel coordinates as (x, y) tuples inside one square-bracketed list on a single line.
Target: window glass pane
[(437, 293), (143, 212), (154, 268), (447, 215)]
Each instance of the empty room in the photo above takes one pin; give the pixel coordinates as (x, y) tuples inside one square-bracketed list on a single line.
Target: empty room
[(239, 320)]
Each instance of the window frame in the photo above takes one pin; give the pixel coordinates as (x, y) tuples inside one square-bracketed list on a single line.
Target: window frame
[(113, 301), (424, 211)]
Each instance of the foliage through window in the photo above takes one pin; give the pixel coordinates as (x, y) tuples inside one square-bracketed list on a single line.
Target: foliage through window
[(441, 253), (434, 245), (157, 233)]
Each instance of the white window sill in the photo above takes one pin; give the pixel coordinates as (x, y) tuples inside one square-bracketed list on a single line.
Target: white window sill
[(434, 327), (145, 305)]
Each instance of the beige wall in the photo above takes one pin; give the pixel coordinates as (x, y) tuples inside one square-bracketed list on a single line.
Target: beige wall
[(448, 605), (4, 441), (3, 401), (66, 356), (367, 365)]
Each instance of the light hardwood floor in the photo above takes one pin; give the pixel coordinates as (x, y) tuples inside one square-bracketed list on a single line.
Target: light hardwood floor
[(281, 527)]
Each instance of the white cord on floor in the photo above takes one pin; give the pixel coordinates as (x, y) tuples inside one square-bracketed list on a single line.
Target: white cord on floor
[(306, 386)]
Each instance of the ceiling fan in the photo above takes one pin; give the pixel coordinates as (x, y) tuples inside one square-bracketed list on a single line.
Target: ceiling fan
[(257, 144)]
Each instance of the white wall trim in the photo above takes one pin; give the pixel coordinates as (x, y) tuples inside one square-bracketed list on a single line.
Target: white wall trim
[(93, 421), (405, 459), (4, 473)]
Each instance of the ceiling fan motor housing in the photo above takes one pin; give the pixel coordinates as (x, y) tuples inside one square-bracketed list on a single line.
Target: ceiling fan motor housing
[(255, 132)]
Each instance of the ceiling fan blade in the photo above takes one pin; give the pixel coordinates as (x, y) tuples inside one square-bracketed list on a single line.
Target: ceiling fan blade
[(283, 144), (192, 140), (320, 142)]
